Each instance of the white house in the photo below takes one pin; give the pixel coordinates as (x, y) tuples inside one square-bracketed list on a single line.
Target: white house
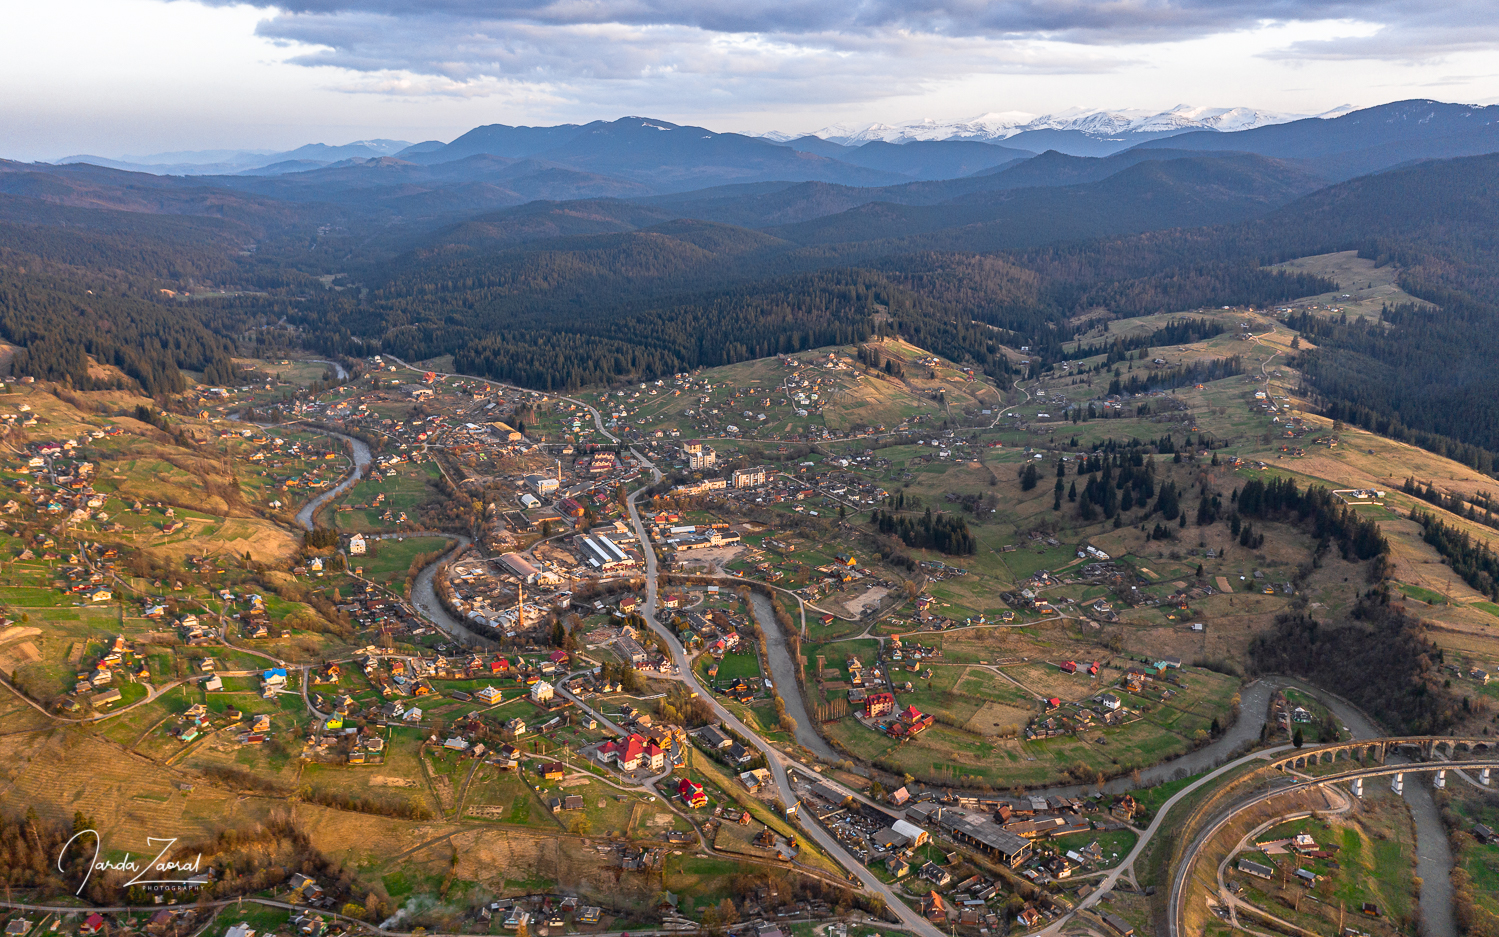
[(356, 545), (541, 691)]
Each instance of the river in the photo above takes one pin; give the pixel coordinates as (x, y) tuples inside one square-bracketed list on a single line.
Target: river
[(362, 460), (424, 596), (1254, 703), (423, 593), (337, 368), (783, 673), (1433, 853)]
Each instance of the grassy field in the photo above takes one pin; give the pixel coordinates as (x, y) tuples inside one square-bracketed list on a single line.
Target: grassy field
[(1373, 847), (1478, 862), (985, 684), (1115, 844), (1363, 288), (391, 558), (400, 489)]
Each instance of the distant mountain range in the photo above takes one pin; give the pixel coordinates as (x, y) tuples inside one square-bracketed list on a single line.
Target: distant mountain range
[(1079, 131), (222, 162), (500, 184), (669, 157), (618, 251)]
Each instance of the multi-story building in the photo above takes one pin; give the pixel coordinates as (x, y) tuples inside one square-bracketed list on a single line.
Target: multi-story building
[(699, 456), (749, 477), (878, 704)]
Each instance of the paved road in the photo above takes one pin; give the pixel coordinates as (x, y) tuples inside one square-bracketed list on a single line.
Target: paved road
[(1012, 406), (604, 720), (1189, 859), (598, 419), (775, 760), (153, 692), (1128, 865), (1233, 901)]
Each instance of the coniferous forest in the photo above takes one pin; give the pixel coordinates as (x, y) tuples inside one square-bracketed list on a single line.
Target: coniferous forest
[(81, 278)]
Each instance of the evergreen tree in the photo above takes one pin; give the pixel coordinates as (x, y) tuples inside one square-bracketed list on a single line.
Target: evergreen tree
[(1029, 477)]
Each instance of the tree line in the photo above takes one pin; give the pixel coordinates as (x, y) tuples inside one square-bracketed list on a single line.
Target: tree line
[(1379, 658), (945, 533), (1470, 558)]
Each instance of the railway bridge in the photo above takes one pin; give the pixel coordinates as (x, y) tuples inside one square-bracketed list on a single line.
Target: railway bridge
[(1377, 751), (1366, 759)]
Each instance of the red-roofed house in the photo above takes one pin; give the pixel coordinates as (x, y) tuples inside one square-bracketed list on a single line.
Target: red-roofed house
[(692, 793), (912, 722), (626, 752), (655, 755), (1069, 666), (499, 665), (878, 704), (1093, 669)]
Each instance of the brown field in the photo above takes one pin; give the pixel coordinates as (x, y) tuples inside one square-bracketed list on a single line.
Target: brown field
[(1368, 287), (1048, 681), (992, 718)]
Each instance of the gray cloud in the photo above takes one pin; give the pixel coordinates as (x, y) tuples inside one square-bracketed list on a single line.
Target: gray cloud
[(828, 49), (1103, 22)]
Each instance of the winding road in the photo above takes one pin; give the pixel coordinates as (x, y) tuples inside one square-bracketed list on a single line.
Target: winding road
[(1255, 698), (777, 762)]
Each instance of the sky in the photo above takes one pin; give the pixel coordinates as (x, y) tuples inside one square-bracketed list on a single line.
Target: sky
[(133, 77)]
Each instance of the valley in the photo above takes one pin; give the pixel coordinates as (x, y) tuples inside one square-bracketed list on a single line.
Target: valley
[(633, 532), (977, 642)]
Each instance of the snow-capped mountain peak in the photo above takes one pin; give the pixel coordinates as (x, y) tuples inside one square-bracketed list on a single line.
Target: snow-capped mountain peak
[(1093, 122)]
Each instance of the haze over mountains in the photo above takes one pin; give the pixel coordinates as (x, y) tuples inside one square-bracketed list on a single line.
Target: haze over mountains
[(215, 162), (621, 250), (498, 187), (1079, 131), (498, 166)]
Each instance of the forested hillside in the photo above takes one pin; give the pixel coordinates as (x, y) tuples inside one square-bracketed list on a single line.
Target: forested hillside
[(58, 322), (567, 293)]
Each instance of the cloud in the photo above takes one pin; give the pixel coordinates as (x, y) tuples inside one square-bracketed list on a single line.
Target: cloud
[(1421, 37), (1102, 22), (810, 52), (445, 55)]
